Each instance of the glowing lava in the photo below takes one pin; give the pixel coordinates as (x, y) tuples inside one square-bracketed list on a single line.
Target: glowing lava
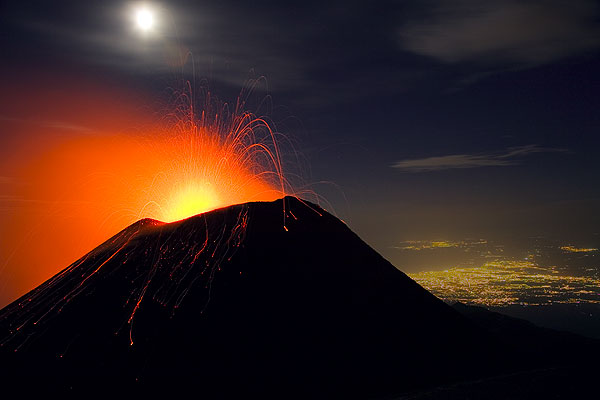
[(211, 164), (195, 198)]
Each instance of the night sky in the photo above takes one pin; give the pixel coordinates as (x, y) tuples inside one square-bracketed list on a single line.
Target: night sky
[(417, 120)]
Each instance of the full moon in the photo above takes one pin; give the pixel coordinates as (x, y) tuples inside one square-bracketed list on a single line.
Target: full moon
[(144, 19)]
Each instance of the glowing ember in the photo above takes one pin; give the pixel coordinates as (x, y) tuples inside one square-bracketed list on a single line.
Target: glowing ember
[(217, 161)]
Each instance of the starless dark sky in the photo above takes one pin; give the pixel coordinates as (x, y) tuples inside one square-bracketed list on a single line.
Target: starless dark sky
[(432, 119)]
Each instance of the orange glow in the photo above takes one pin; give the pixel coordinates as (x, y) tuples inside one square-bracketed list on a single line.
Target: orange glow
[(194, 198), (70, 192), (166, 177)]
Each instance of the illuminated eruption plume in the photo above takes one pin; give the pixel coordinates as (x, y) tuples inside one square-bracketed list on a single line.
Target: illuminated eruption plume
[(213, 158)]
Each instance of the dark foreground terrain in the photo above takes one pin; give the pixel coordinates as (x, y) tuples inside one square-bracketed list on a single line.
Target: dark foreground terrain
[(232, 303)]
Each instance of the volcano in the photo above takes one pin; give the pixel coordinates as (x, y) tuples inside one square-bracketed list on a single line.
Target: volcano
[(273, 298)]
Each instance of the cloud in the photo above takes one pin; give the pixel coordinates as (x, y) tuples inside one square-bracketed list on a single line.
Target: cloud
[(229, 43), (462, 161), (62, 125), (516, 33)]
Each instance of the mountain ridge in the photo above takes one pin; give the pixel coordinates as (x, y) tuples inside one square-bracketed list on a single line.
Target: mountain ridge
[(231, 295)]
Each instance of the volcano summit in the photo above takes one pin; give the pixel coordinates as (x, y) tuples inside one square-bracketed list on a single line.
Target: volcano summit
[(276, 298)]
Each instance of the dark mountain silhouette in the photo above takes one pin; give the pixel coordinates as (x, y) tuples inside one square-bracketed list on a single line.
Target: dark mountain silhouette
[(565, 367), (523, 335), (279, 299)]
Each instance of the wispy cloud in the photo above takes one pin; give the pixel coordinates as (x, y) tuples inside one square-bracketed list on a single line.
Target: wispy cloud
[(62, 125), (516, 33), (228, 44), (461, 161)]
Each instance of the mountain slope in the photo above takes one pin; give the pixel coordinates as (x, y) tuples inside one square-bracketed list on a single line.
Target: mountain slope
[(240, 300)]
